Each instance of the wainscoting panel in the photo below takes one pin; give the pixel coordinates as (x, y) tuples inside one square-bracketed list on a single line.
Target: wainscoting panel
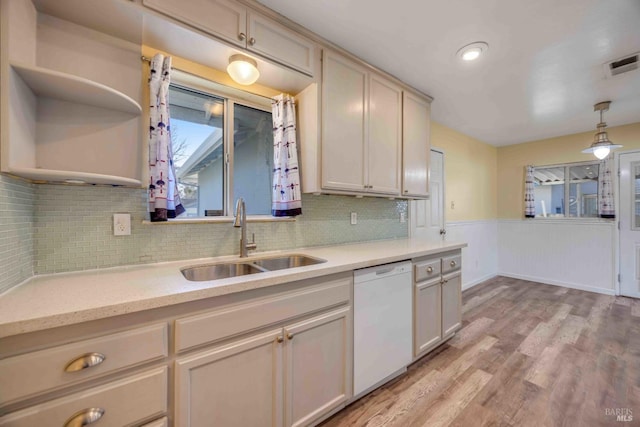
[(574, 254), (480, 258)]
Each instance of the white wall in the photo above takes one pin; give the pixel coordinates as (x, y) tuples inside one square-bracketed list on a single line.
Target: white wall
[(570, 253), (480, 257)]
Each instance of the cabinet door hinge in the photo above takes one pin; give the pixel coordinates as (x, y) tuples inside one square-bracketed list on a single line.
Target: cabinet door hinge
[(619, 278), (618, 225), (618, 172)]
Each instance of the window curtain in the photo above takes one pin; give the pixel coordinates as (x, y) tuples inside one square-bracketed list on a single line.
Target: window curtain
[(606, 206), (286, 196), (529, 200), (164, 200)]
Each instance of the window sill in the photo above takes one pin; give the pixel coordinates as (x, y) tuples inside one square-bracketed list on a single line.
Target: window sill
[(572, 219), (221, 219)]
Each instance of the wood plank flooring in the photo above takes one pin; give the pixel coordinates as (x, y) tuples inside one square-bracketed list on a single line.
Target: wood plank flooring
[(528, 355)]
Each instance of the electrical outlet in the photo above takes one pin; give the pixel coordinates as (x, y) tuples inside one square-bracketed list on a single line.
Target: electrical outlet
[(354, 218), (403, 217), (121, 224)]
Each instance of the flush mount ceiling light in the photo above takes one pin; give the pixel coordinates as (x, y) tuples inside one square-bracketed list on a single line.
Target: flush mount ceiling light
[(472, 51), (601, 146), (242, 69)]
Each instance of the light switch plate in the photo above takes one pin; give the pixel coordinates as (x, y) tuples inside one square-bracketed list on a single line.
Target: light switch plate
[(121, 224), (354, 218)]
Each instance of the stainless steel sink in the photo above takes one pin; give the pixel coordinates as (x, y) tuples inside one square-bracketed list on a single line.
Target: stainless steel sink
[(201, 273), (288, 261)]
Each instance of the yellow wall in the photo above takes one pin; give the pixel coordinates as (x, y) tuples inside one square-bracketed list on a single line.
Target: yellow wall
[(512, 160), (470, 175)]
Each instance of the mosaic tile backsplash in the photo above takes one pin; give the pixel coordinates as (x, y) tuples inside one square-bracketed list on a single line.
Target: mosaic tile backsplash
[(16, 231), (74, 231)]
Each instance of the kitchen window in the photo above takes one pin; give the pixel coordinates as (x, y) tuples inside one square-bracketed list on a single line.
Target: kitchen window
[(567, 191), (223, 150)]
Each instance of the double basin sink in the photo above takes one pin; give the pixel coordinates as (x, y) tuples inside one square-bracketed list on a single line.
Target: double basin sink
[(224, 270)]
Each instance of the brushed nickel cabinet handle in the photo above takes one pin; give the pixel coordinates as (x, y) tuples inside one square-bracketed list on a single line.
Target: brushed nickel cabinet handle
[(85, 417), (429, 270), (252, 41), (279, 339), (85, 361), (242, 37), (289, 336), (452, 263)]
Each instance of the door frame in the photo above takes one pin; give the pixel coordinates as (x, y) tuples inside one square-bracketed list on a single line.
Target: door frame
[(444, 192), (617, 239)]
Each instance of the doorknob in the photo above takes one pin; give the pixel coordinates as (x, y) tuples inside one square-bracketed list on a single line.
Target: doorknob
[(443, 231)]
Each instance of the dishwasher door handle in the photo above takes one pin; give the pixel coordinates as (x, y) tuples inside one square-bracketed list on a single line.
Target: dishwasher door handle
[(387, 271)]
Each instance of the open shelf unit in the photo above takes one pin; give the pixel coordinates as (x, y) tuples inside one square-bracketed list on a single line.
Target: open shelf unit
[(63, 119)]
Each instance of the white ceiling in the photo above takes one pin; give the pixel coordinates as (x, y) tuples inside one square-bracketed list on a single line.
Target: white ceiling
[(541, 76)]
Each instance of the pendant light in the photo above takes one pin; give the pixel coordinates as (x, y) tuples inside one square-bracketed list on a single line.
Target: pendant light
[(601, 146), (242, 69)]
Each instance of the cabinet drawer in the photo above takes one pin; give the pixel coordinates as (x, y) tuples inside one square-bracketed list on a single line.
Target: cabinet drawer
[(214, 326), (162, 422), (43, 370), (427, 270), (451, 263), (124, 402)]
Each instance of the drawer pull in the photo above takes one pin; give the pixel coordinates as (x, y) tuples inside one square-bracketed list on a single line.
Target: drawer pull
[(289, 336), (252, 41), (242, 37), (279, 339), (85, 361), (85, 417), (429, 269), (452, 263)]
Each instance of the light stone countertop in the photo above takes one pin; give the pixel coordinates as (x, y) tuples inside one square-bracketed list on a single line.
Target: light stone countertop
[(53, 300)]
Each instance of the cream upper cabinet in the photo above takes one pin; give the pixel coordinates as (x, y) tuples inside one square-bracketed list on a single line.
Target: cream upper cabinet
[(385, 136), (416, 128), (272, 40), (225, 19), (344, 134), (361, 129), (244, 28)]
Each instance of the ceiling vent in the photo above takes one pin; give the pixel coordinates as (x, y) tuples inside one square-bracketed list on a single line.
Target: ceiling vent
[(621, 65)]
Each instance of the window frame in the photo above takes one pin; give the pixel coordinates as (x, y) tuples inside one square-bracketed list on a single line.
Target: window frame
[(567, 191), (231, 97)]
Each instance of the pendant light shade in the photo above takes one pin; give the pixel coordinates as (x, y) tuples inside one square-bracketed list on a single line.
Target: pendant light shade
[(601, 146), (242, 69)]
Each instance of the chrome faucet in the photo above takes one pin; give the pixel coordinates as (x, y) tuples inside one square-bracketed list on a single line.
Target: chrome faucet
[(241, 221)]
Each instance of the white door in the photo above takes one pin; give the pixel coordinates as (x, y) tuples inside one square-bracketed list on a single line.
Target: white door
[(629, 214), (426, 218)]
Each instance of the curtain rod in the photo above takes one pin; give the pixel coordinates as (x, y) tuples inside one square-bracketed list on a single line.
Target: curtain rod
[(148, 60)]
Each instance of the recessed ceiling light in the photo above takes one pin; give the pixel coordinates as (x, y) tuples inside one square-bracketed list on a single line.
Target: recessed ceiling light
[(472, 51)]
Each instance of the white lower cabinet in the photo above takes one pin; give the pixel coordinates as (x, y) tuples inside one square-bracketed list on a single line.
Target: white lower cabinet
[(437, 301), (292, 375)]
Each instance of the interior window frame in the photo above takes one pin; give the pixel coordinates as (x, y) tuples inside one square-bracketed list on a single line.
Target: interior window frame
[(567, 190), (230, 97)]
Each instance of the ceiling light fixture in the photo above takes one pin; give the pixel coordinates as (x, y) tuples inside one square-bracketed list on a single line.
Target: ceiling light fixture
[(242, 69), (601, 146), (472, 51)]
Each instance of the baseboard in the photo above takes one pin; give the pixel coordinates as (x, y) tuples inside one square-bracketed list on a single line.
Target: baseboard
[(604, 291), (470, 285)]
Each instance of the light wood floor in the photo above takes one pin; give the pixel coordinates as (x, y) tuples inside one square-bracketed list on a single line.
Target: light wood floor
[(528, 355)]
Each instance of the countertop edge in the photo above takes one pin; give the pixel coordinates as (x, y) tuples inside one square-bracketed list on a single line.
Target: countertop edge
[(275, 278)]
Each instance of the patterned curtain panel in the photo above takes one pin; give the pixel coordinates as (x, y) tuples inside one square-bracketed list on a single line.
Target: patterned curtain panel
[(164, 200), (529, 200), (286, 197), (606, 207)]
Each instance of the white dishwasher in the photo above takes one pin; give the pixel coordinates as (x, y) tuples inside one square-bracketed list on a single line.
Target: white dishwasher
[(382, 324)]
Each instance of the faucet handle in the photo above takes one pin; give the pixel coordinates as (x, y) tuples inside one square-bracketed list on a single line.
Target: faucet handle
[(252, 245)]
